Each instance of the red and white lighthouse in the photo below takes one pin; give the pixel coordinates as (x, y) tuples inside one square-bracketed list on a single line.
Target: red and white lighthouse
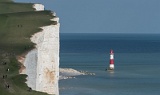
[(111, 62)]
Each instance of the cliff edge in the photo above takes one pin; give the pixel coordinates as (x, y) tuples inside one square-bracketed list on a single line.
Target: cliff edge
[(42, 63)]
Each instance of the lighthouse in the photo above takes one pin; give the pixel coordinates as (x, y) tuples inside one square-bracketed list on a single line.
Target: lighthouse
[(111, 62)]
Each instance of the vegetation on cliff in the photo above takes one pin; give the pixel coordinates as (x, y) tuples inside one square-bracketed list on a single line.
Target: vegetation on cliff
[(18, 22)]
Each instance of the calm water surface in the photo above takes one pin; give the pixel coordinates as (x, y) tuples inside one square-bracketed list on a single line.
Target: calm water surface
[(137, 64)]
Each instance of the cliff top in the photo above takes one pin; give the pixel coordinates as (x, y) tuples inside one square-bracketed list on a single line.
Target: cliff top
[(11, 7), (6, 1)]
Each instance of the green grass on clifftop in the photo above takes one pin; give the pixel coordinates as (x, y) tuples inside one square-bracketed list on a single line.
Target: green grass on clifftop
[(9, 7), (18, 22), (17, 28), (6, 1)]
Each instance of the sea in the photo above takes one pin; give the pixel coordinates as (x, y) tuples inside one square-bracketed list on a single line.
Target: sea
[(136, 57)]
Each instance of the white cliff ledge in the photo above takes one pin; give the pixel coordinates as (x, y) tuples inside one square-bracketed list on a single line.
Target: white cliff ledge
[(38, 7), (42, 63)]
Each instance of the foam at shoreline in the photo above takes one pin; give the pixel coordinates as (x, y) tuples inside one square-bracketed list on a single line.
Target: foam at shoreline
[(67, 73)]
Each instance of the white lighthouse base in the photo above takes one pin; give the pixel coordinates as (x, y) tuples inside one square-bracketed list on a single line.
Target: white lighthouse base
[(111, 67)]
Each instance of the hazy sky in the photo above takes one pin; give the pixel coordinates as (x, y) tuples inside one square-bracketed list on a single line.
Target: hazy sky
[(107, 16)]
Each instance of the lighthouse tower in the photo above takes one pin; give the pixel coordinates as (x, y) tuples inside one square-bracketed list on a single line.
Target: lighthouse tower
[(111, 63)]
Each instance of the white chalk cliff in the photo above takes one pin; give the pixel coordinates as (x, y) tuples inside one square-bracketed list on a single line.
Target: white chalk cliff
[(38, 7), (47, 59), (42, 63)]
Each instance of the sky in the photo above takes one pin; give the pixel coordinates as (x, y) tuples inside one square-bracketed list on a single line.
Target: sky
[(105, 16)]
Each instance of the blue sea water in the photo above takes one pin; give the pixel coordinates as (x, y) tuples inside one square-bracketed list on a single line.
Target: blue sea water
[(137, 64)]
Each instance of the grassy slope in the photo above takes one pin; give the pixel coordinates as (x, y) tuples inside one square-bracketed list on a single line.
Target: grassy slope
[(7, 7), (15, 30), (6, 1)]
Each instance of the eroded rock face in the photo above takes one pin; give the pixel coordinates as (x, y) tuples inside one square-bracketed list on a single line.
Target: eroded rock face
[(30, 64), (42, 63), (47, 45)]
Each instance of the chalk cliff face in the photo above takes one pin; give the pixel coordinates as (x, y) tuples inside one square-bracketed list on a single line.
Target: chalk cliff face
[(42, 63), (30, 64), (38, 7), (47, 59)]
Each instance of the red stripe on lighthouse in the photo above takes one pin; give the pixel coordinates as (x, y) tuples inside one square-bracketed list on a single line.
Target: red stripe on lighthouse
[(111, 57), (112, 61)]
